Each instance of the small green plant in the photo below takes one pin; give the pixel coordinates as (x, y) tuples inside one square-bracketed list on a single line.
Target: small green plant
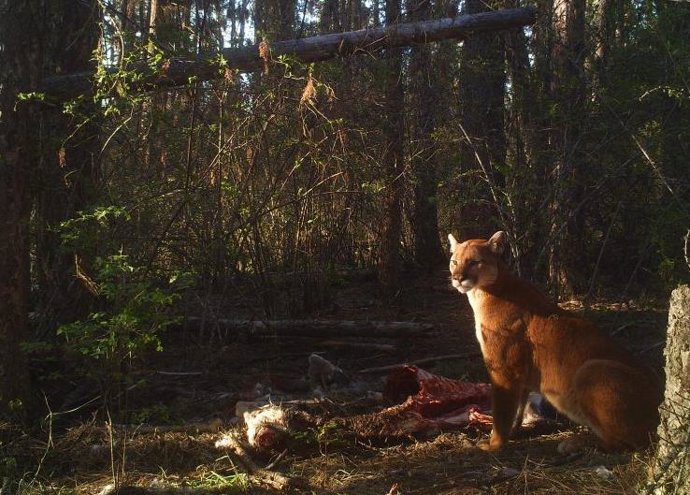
[(135, 311), (156, 413), (132, 305), (217, 481), (8, 466)]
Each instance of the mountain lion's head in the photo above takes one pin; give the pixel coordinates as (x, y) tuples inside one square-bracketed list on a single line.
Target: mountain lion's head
[(474, 263)]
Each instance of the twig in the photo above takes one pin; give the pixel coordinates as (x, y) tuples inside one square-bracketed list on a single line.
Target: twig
[(277, 459), (621, 328), (206, 427), (686, 252), (655, 345), (111, 443), (49, 442), (595, 272), (261, 475), (433, 359)]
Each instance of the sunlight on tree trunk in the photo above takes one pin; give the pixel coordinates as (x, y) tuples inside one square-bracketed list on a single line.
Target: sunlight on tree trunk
[(672, 463)]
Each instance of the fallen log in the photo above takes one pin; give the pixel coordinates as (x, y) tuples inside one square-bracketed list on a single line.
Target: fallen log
[(176, 72), (339, 344), (316, 328)]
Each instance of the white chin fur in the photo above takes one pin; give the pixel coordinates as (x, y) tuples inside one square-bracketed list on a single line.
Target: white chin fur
[(463, 287)]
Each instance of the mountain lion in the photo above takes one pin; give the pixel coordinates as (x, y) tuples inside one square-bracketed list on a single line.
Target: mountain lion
[(530, 344)]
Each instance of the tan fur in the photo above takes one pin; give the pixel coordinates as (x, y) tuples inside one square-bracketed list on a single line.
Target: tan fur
[(530, 344)]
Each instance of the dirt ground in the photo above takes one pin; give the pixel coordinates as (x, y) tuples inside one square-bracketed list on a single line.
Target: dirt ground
[(200, 376)]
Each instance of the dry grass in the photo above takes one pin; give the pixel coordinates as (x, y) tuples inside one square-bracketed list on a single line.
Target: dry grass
[(82, 461), (84, 457), (450, 463)]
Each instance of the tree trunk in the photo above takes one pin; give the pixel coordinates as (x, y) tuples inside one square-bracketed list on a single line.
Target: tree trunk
[(330, 20), (18, 157), (176, 72), (275, 19), (394, 137), (483, 149), (428, 252), (526, 182), (568, 96), (604, 21), (672, 464), (68, 169)]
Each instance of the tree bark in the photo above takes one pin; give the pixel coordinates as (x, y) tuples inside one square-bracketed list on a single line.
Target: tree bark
[(68, 170), (525, 181), (568, 96), (482, 91), (274, 19), (672, 464), (18, 157), (425, 93), (394, 138), (176, 72)]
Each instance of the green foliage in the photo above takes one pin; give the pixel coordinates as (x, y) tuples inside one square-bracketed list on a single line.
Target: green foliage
[(135, 313), (86, 229), (262, 184), (133, 306), (214, 480), (31, 96), (156, 413), (8, 467)]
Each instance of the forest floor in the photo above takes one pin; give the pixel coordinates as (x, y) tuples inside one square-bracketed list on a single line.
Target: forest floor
[(199, 378)]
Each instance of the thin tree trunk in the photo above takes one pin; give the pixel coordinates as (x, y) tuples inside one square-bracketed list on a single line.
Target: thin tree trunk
[(525, 146), (568, 94), (275, 19), (606, 32), (482, 91), (394, 132), (425, 91), (330, 20)]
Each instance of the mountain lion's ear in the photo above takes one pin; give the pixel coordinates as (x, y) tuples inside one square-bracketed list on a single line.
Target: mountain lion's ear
[(498, 242), (453, 242)]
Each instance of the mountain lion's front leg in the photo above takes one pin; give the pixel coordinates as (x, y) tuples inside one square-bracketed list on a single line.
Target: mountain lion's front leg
[(504, 404)]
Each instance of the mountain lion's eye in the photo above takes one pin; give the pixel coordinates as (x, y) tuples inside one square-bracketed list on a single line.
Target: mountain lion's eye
[(453, 262), (474, 262)]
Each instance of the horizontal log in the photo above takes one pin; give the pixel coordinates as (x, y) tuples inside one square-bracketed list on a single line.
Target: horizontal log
[(176, 72), (372, 346), (317, 328)]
